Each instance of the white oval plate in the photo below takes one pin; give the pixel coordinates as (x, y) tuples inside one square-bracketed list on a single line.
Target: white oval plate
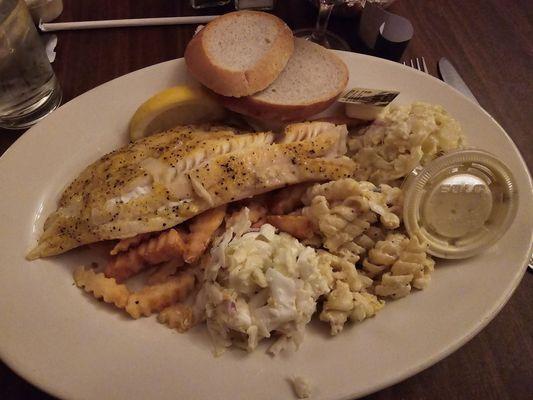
[(74, 347)]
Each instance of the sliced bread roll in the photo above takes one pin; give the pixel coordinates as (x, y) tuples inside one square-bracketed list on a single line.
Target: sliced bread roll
[(240, 53), (313, 78)]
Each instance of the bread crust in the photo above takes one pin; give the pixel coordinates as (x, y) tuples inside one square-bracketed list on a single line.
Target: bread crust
[(260, 109), (270, 112), (239, 83)]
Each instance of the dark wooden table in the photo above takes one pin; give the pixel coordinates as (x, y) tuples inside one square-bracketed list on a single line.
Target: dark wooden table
[(489, 42)]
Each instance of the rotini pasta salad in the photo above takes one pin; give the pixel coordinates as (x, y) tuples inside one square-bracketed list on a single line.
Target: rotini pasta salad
[(255, 233)]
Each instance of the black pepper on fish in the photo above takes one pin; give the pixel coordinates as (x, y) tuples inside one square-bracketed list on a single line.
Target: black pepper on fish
[(119, 189)]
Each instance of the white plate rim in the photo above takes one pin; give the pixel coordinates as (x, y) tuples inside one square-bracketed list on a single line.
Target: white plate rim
[(504, 296)]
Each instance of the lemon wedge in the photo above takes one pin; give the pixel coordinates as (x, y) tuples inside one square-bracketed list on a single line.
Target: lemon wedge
[(178, 105)]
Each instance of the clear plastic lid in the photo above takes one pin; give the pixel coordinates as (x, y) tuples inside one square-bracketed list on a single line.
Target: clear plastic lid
[(460, 203)]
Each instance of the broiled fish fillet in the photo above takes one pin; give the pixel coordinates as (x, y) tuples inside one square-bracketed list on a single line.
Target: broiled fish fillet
[(165, 179)]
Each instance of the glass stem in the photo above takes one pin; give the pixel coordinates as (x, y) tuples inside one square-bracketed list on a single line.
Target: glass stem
[(324, 12)]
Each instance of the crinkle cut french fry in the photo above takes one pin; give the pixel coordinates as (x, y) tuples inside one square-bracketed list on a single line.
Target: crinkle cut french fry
[(126, 244), (287, 199), (101, 287), (164, 271), (154, 298), (164, 247), (257, 212), (259, 223), (298, 226), (177, 316), (202, 228)]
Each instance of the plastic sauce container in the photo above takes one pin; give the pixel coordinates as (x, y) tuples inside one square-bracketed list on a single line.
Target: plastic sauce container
[(460, 203)]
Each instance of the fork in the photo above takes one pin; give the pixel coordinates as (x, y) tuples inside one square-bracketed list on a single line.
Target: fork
[(418, 63)]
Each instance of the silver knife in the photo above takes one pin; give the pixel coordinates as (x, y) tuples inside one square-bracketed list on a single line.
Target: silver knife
[(451, 77)]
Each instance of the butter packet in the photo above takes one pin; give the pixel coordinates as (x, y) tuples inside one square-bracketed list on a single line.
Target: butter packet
[(366, 104)]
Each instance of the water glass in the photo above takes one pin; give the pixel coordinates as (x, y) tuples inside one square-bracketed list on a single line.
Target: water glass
[(28, 87), (320, 34)]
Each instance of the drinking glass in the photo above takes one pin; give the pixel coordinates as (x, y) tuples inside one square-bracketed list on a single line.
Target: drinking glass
[(28, 87), (320, 34)]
